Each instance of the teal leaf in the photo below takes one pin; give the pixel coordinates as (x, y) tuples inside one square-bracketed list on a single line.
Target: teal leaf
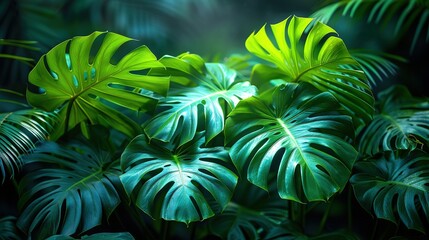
[(299, 135), (96, 236), (217, 92), (68, 191), (401, 122), (395, 186), (186, 184)]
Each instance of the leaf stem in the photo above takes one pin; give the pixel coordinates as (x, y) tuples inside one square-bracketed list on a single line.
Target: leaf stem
[(325, 217)]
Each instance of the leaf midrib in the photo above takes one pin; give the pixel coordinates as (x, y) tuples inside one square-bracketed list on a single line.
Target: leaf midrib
[(319, 66)]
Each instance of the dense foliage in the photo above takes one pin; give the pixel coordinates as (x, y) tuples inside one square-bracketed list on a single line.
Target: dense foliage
[(111, 142)]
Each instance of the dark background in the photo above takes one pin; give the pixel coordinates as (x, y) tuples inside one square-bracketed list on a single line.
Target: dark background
[(211, 28)]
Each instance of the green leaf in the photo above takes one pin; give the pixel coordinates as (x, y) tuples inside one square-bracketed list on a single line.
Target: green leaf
[(402, 122), (186, 184), (8, 228), (68, 190), (376, 65), (291, 231), (217, 92), (82, 87), (97, 236), (304, 50), (20, 131), (297, 134), (395, 186), (247, 218), (409, 12)]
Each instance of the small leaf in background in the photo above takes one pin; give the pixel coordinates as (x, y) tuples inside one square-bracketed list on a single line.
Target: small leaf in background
[(81, 81), (305, 50), (297, 133), (8, 229), (395, 186), (186, 184), (401, 122), (218, 92), (20, 132), (68, 190)]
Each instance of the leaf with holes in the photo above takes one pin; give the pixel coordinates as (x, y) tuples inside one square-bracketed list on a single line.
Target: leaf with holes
[(68, 191), (402, 122), (82, 87), (395, 186), (304, 50), (218, 91), (297, 133), (189, 183)]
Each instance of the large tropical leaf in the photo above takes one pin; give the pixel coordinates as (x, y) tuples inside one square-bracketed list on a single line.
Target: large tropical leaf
[(186, 107), (186, 184), (403, 12), (297, 134), (68, 190), (249, 217), (8, 229), (402, 122), (97, 236), (78, 79), (20, 131), (395, 186), (304, 50)]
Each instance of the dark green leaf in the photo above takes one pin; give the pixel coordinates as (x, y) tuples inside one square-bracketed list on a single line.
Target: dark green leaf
[(97, 236), (299, 135), (68, 191), (395, 186), (8, 229), (402, 122)]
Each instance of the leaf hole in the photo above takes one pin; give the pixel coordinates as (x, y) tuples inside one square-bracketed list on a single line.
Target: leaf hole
[(93, 96), (95, 47), (121, 87), (75, 81), (205, 171), (197, 209), (35, 89), (321, 168), (67, 56), (123, 50)]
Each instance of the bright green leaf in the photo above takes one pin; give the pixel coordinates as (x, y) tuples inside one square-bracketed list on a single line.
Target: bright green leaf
[(304, 50), (299, 135), (186, 184), (82, 87)]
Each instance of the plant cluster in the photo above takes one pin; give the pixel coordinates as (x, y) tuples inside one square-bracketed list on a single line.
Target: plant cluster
[(111, 142)]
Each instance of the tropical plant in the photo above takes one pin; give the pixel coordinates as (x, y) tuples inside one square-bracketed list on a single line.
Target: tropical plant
[(112, 142)]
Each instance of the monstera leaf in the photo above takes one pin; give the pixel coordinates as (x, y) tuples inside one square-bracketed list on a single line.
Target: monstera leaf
[(97, 236), (247, 218), (69, 191), (402, 122), (8, 228), (186, 184), (395, 186), (185, 106), (298, 134), (304, 50), (83, 87), (20, 131)]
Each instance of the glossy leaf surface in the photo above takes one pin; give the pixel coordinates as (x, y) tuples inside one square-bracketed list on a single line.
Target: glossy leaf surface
[(304, 50), (186, 184), (297, 134)]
